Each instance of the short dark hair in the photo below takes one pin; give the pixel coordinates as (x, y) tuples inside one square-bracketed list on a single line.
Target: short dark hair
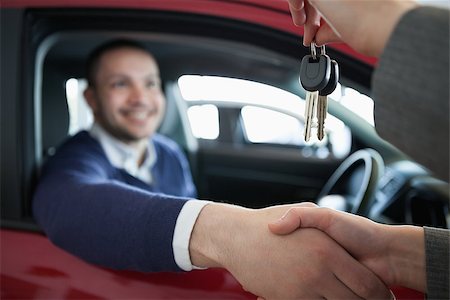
[(93, 59)]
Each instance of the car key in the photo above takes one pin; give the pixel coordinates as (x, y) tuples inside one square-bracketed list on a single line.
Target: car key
[(310, 108), (315, 72), (322, 101)]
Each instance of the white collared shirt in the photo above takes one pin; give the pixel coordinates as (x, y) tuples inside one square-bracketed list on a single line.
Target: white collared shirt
[(123, 156)]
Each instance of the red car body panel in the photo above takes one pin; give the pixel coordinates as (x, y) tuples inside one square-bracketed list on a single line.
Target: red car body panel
[(271, 13), (33, 268)]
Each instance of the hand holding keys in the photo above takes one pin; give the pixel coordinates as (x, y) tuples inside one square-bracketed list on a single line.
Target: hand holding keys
[(319, 76)]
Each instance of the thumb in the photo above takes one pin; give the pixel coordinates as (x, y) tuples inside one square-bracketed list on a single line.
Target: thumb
[(306, 216), (288, 223)]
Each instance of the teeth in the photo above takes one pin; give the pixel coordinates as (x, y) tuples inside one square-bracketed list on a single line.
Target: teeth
[(138, 115)]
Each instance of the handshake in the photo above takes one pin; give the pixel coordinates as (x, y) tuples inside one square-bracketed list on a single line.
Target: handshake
[(304, 251)]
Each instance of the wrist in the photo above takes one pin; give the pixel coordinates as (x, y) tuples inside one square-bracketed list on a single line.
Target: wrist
[(407, 256), (214, 234)]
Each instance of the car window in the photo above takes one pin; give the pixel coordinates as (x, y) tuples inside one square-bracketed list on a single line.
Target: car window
[(262, 125), (269, 115), (360, 104), (80, 115), (201, 115)]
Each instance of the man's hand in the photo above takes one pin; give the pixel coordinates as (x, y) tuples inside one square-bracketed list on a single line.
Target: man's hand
[(304, 264), (365, 25), (395, 253), (316, 29)]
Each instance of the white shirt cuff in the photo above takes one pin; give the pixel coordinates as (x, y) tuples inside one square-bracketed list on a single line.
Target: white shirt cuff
[(183, 230)]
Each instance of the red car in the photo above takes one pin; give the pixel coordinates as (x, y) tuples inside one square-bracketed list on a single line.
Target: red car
[(247, 45)]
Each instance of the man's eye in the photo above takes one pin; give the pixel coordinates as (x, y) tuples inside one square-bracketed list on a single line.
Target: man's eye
[(118, 84), (152, 84)]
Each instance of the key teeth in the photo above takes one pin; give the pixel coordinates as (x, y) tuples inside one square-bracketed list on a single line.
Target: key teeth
[(320, 137)]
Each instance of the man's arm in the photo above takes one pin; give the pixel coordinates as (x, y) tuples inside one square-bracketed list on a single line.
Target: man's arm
[(327, 21), (85, 210), (411, 88)]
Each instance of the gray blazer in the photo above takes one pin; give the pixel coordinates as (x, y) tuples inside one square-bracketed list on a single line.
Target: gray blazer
[(411, 89), (437, 261), (411, 94)]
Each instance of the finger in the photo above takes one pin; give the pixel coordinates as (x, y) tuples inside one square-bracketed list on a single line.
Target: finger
[(286, 207), (336, 289), (296, 4), (342, 226), (312, 23), (289, 222), (312, 217), (305, 204), (358, 278), (297, 12)]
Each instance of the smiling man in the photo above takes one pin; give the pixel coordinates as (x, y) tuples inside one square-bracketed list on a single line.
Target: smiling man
[(122, 196), (103, 183), (124, 93)]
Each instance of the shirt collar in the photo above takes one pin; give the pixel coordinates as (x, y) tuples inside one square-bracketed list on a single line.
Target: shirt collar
[(123, 156)]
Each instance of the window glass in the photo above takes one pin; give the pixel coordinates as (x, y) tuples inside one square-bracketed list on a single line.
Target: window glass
[(201, 115), (263, 125), (214, 88), (231, 90), (80, 115), (268, 114), (355, 101)]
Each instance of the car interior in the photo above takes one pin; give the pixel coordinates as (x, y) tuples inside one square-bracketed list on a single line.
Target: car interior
[(369, 176)]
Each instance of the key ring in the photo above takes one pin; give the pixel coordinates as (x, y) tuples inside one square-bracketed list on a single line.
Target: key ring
[(314, 51)]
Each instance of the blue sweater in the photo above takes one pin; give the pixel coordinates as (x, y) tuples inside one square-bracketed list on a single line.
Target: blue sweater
[(108, 217)]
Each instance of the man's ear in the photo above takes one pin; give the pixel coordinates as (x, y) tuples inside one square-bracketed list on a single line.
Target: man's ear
[(89, 95)]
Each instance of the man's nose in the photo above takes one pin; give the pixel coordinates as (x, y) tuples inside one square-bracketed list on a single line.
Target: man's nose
[(139, 95)]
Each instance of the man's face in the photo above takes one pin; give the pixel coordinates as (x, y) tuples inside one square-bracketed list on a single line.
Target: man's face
[(127, 100)]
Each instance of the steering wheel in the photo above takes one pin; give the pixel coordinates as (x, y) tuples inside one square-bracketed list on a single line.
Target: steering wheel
[(353, 185)]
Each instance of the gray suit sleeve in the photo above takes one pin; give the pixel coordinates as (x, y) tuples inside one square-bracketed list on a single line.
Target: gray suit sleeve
[(437, 261), (411, 88)]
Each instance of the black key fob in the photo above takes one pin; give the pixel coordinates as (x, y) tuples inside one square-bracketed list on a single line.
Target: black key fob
[(315, 73), (334, 78)]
